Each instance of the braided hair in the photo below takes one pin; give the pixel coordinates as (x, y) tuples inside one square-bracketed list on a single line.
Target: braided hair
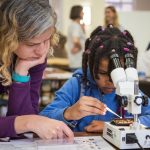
[(100, 45)]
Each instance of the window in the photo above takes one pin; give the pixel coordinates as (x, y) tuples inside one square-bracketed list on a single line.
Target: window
[(87, 15), (121, 5)]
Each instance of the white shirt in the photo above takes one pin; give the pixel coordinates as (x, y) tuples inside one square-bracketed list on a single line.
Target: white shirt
[(75, 30)]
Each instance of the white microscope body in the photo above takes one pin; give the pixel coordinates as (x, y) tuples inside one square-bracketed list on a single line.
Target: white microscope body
[(126, 83)]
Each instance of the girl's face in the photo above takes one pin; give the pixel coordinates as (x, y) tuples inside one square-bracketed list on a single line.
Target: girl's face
[(36, 47), (109, 15), (104, 82), (81, 15)]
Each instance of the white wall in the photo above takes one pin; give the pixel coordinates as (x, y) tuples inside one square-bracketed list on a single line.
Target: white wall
[(138, 23)]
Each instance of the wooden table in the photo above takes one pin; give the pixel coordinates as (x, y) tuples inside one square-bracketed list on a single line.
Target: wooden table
[(79, 134), (56, 74), (58, 62)]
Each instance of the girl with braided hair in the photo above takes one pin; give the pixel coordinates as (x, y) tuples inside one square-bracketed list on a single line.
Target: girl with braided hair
[(81, 102)]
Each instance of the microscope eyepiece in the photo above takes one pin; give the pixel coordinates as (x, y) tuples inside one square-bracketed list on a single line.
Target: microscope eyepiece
[(129, 60), (115, 59)]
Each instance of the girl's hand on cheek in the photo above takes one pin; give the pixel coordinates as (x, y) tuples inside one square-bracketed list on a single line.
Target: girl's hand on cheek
[(95, 126)]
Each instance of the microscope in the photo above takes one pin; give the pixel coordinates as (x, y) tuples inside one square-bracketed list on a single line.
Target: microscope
[(126, 82)]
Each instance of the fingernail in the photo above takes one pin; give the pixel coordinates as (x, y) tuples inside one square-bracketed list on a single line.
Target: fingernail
[(85, 128), (104, 113)]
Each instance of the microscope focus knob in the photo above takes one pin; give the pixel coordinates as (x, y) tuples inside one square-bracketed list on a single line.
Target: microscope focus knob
[(138, 100), (124, 101), (145, 100)]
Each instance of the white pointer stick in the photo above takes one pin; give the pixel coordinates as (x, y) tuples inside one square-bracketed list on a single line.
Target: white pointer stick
[(108, 109)]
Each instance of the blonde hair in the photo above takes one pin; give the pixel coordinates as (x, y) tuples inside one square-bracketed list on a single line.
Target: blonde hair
[(21, 20), (116, 21)]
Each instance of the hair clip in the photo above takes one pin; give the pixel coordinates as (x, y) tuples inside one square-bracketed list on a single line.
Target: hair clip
[(124, 32), (101, 46), (113, 50), (126, 49), (103, 29), (87, 51), (129, 43), (98, 39), (111, 26)]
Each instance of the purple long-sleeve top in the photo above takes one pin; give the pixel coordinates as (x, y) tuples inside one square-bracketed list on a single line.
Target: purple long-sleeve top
[(23, 100)]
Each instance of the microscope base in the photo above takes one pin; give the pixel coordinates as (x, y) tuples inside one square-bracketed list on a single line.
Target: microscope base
[(123, 136)]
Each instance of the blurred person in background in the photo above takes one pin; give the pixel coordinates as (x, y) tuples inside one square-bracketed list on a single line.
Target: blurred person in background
[(76, 38), (111, 17)]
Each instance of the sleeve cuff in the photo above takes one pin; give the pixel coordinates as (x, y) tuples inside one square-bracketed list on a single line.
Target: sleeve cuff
[(60, 116), (38, 68), (144, 120), (7, 128), (20, 85)]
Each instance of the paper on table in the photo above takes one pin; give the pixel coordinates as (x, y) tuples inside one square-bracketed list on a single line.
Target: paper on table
[(79, 143), (22, 144)]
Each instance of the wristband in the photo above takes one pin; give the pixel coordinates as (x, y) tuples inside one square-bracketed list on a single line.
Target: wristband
[(18, 78)]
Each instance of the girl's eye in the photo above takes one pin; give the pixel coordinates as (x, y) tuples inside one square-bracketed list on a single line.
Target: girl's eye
[(104, 73)]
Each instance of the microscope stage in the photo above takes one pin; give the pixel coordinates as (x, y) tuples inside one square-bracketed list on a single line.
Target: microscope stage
[(124, 137)]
